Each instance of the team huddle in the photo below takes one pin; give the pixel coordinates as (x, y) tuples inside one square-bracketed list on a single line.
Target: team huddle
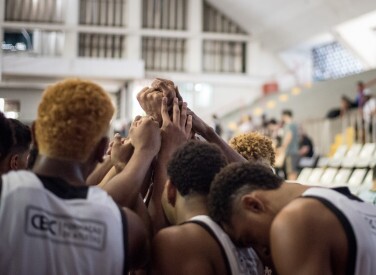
[(170, 198)]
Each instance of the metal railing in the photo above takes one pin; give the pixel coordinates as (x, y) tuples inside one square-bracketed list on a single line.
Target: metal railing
[(347, 129)]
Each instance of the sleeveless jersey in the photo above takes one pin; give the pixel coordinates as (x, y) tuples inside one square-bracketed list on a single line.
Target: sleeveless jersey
[(56, 228), (241, 261), (359, 222)]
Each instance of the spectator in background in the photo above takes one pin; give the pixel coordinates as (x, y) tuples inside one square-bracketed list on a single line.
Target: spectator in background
[(217, 125), (360, 97), (273, 131), (305, 145), (290, 145), (369, 109), (6, 140), (346, 105), (17, 157)]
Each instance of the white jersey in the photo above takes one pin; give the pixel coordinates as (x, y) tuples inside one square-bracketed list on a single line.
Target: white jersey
[(240, 261), (359, 222), (50, 227)]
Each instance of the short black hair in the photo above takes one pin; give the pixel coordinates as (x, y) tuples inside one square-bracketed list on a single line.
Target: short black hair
[(234, 181), (272, 121), (21, 136), (6, 137), (193, 167), (287, 113)]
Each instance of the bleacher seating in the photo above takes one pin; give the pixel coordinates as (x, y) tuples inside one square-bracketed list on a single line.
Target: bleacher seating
[(349, 166), (337, 159)]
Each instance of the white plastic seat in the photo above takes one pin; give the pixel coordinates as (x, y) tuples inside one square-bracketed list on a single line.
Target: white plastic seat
[(342, 177), (304, 175), (323, 162), (352, 155), (356, 180), (367, 150), (336, 160), (327, 179), (314, 178)]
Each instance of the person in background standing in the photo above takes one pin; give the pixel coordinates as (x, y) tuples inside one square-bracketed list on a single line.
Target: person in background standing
[(290, 145)]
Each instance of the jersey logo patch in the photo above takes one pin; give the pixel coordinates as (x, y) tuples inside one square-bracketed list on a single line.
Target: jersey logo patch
[(371, 220), (65, 229)]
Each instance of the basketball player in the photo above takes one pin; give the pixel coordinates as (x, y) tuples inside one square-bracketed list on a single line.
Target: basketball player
[(195, 243), (50, 222), (310, 230)]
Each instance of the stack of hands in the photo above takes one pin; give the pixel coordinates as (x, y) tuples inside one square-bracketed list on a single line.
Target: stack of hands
[(167, 124)]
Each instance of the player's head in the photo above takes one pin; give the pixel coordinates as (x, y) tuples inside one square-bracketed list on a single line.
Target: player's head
[(6, 138), (73, 120), (19, 152), (235, 201), (191, 171), (254, 147), (287, 115)]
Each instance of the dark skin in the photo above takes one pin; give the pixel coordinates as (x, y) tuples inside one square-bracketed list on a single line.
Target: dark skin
[(75, 173), (314, 241), (174, 133), (192, 249), (304, 236)]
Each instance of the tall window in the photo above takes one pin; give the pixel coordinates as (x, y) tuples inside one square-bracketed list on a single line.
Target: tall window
[(49, 11), (164, 14), (215, 21), (332, 61), (224, 56), (34, 42), (103, 12), (101, 45), (163, 54)]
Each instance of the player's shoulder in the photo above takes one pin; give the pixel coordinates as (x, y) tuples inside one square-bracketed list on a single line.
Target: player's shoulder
[(184, 233), (186, 237), (302, 214)]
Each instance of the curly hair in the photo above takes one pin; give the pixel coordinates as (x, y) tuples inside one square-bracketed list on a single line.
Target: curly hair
[(234, 181), (254, 146), (72, 117), (6, 137), (193, 167), (21, 136)]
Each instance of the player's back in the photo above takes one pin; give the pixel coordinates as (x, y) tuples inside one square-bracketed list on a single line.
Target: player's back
[(50, 227), (188, 249), (358, 220)]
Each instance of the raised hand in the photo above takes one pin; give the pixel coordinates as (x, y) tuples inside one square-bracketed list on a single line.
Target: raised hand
[(145, 135), (121, 152), (177, 130), (150, 98)]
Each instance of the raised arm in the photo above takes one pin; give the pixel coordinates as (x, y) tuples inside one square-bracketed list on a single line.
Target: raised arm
[(208, 133), (126, 185), (174, 133)]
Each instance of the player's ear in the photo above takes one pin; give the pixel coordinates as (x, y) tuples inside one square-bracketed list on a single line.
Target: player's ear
[(13, 162), (171, 193), (252, 203)]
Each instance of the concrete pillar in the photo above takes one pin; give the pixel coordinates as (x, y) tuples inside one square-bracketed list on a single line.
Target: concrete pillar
[(71, 36), (194, 43), (134, 25)]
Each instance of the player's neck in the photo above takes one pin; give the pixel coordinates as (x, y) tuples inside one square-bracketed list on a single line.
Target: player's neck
[(191, 206), (69, 171), (282, 196)]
